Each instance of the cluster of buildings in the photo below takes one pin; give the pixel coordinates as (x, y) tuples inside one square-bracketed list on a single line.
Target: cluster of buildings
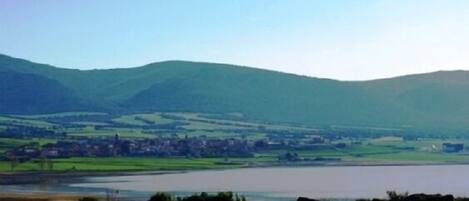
[(162, 147), (175, 146), (159, 147)]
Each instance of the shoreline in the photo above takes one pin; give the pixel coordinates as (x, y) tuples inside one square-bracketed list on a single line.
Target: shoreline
[(44, 196), (33, 177)]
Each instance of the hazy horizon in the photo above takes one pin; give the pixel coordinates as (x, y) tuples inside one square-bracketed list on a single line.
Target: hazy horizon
[(344, 40)]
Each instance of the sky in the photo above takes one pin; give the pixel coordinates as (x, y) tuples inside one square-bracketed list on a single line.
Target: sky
[(339, 39)]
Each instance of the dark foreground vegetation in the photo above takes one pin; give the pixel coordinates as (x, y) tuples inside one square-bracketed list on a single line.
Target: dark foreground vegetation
[(394, 196), (221, 196), (160, 196), (230, 196)]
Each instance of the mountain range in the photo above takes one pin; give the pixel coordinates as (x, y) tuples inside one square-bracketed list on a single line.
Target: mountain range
[(431, 100)]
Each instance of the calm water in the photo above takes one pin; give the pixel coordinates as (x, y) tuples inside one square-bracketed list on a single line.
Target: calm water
[(287, 183)]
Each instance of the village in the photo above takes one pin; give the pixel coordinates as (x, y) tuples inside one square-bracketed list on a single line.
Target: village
[(175, 146), (172, 146)]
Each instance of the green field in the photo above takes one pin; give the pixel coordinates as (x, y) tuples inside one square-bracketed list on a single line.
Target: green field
[(11, 120), (8, 143), (387, 149), (128, 164), (152, 163)]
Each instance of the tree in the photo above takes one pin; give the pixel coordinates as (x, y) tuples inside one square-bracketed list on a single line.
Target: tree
[(13, 163), (394, 196), (42, 163), (224, 196), (160, 196), (50, 165)]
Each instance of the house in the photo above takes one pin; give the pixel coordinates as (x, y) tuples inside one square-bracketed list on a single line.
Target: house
[(316, 139), (452, 147), (340, 145), (49, 153)]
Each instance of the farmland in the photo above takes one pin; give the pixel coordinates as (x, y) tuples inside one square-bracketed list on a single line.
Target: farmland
[(358, 147)]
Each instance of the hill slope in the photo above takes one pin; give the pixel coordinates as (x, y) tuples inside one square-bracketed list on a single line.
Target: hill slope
[(427, 100), (28, 93)]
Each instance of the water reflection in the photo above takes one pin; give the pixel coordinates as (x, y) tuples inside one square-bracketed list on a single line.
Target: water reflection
[(275, 183)]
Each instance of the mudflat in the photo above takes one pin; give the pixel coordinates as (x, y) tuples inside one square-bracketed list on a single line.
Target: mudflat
[(10, 196)]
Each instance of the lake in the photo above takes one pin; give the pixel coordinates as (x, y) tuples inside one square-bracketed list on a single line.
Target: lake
[(284, 183)]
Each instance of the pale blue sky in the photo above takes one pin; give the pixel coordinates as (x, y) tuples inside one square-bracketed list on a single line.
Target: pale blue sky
[(348, 40)]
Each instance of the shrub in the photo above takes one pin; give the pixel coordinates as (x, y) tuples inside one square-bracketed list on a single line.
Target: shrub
[(161, 197), (394, 196)]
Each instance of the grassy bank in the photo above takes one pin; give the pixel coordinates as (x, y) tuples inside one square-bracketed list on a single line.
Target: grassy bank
[(128, 164), (41, 197), (119, 164)]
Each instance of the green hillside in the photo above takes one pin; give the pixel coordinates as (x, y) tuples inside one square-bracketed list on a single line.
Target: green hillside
[(434, 100), (28, 93)]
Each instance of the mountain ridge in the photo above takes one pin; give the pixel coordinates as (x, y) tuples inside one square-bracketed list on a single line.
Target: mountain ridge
[(434, 99), (234, 65)]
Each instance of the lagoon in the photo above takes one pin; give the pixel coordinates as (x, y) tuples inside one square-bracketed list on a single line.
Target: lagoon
[(286, 183)]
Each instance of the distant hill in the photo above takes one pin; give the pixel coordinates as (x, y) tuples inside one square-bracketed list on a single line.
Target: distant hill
[(433, 100), (28, 93)]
